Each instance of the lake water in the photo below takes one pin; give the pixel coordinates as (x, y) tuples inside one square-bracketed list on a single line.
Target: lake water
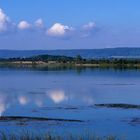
[(71, 95)]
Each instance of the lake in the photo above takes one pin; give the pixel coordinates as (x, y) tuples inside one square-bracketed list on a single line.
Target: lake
[(68, 98)]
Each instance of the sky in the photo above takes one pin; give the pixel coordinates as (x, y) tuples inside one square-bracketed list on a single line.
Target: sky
[(69, 24)]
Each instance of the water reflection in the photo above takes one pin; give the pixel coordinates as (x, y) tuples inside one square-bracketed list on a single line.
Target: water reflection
[(47, 98), (57, 96), (70, 95), (23, 100), (26, 90), (3, 104)]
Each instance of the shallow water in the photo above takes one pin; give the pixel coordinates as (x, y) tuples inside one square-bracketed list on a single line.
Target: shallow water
[(72, 95)]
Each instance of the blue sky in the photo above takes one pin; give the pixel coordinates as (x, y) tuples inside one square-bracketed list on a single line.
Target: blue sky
[(69, 24)]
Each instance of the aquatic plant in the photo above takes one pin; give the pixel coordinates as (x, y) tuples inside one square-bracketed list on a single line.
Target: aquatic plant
[(48, 136)]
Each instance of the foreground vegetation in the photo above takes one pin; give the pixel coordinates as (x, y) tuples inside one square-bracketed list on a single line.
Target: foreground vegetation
[(31, 136), (78, 61)]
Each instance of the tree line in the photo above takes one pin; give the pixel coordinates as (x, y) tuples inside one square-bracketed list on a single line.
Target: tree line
[(78, 59)]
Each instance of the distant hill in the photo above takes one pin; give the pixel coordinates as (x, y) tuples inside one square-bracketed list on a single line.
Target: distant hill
[(87, 53)]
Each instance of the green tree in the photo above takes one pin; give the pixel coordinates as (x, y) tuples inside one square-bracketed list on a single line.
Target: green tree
[(79, 59)]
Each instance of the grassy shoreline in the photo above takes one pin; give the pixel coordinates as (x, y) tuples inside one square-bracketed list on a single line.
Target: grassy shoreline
[(48, 136), (36, 64), (42, 61)]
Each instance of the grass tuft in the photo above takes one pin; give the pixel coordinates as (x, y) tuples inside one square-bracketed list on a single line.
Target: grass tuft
[(30, 136)]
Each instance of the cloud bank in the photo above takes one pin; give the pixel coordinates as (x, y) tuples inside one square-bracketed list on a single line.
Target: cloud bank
[(56, 30), (39, 34)]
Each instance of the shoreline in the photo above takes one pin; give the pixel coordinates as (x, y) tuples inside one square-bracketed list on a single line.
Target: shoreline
[(36, 64)]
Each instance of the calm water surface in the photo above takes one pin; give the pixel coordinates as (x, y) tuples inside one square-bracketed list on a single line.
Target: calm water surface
[(71, 94)]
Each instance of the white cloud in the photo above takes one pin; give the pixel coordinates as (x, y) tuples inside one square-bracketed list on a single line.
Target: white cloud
[(39, 23), (5, 23), (58, 29), (24, 25), (89, 26), (88, 30)]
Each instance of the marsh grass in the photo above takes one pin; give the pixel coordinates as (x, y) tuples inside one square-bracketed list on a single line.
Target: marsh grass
[(48, 136)]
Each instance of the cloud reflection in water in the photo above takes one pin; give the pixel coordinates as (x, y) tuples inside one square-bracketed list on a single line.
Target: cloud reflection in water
[(57, 96), (23, 100), (3, 103), (12, 100)]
